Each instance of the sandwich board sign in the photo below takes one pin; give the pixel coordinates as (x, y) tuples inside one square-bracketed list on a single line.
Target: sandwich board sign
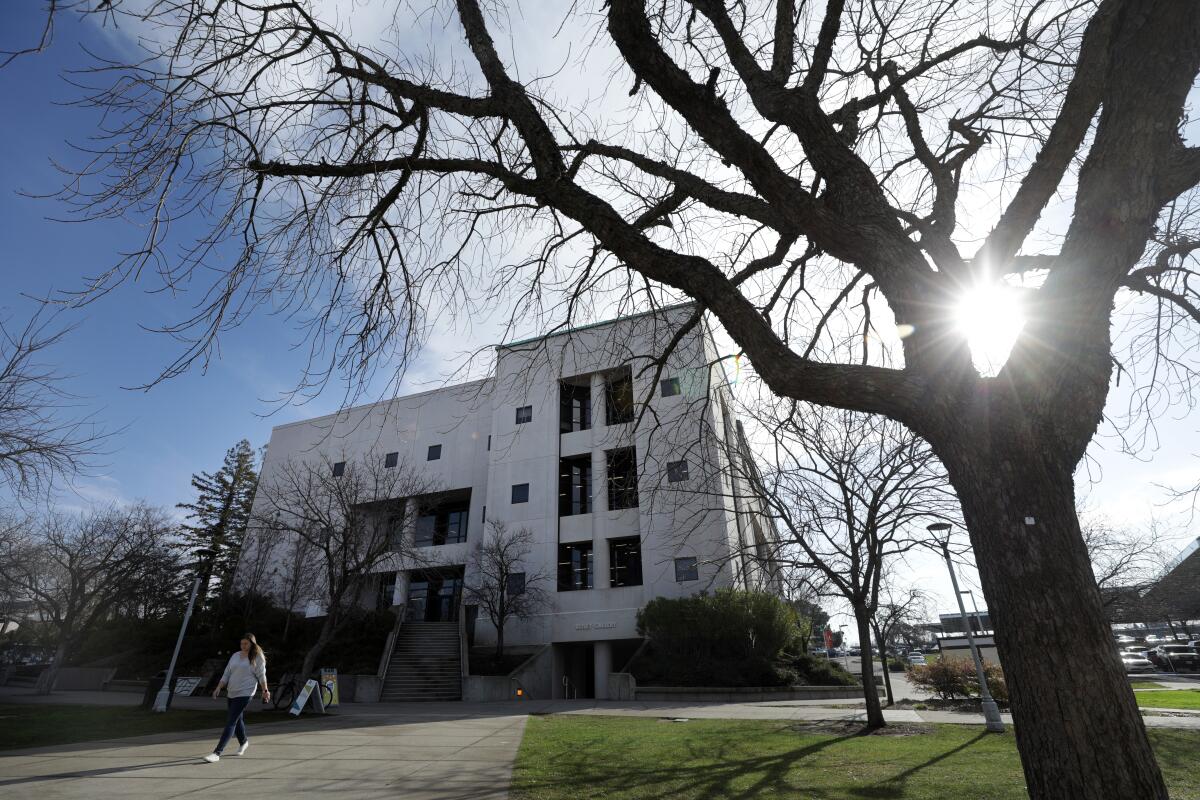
[(302, 698), (329, 680), (185, 686)]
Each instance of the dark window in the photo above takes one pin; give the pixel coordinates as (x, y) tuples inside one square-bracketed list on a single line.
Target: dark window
[(396, 532), (575, 486), (618, 397), (520, 493), (677, 471), (575, 407), (669, 387), (524, 414), (391, 459), (489, 442), (622, 478), (574, 566), (483, 516), (435, 452), (686, 569), (515, 585), (625, 562), (443, 524), (339, 469)]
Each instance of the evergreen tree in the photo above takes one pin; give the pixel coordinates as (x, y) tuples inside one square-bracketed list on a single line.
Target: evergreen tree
[(219, 516)]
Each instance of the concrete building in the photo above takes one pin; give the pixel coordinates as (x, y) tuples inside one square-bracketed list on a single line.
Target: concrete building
[(617, 460)]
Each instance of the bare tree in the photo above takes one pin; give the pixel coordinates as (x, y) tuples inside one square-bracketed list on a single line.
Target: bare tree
[(897, 611), (797, 169), (500, 583), (348, 519), (75, 569), (1122, 558), (852, 494), (40, 439)]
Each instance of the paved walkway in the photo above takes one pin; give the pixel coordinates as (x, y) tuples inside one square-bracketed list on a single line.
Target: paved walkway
[(411, 753)]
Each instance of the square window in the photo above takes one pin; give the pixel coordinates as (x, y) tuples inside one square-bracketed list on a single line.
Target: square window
[(677, 471), (686, 569), (669, 387), (435, 452), (515, 585), (524, 414), (390, 460), (520, 493), (339, 469)]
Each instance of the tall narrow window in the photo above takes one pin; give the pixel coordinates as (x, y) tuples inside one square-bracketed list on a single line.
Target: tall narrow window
[(390, 460), (618, 397), (625, 561), (574, 566), (677, 471), (622, 478), (339, 469), (575, 486), (575, 405), (669, 387), (435, 452), (524, 414)]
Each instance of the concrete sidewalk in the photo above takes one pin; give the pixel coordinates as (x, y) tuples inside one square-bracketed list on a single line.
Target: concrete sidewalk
[(418, 756)]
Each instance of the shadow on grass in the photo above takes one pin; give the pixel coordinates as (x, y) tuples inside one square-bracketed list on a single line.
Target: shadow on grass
[(894, 786)]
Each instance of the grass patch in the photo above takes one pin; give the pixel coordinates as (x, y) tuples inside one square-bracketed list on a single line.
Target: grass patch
[(36, 725), (1146, 685), (631, 758), (1179, 698)]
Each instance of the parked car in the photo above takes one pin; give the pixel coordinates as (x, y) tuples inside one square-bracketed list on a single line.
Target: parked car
[(916, 657), (1136, 662), (1125, 639), (1175, 658)]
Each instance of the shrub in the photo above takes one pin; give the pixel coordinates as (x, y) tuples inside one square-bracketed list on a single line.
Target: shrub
[(815, 671), (955, 679), (729, 638)]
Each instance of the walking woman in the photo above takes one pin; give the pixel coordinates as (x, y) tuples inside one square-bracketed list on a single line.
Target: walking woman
[(245, 672)]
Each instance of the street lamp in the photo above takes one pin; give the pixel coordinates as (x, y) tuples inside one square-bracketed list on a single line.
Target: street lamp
[(164, 694), (845, 651), (991, 714), (975, 607)]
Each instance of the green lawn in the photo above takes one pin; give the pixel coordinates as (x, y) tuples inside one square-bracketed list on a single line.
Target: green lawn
[(28, 725), (1180, 698), (1146, 685), (628, 758)]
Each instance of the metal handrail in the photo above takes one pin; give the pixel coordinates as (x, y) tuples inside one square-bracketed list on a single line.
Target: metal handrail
[(390, 643), (463, 665)]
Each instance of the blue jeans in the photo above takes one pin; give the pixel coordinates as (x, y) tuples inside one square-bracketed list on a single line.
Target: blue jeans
[(235, 722)]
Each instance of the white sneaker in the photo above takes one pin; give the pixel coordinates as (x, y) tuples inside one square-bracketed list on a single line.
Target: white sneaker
[(212, 758), (241, 751)]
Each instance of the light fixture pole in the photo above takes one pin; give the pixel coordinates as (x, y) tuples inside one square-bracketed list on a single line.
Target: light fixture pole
[(164, 694), (845, 650), (991, 713), (975, 607)]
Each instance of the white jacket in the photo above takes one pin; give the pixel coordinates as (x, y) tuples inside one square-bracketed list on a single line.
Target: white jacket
[(241, 678)]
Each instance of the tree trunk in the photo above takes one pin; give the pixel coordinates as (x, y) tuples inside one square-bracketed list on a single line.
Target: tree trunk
[(1077, 725), (867, 669), (323, 639), (46, 680), (499, 640), (883, 660)]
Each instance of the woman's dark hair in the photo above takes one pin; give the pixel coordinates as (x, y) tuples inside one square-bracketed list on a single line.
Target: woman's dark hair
[(255, 652)]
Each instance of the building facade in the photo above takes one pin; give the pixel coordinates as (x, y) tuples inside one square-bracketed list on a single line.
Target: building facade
[(624, 466)]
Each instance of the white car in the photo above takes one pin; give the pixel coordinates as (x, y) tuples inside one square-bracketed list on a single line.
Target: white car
[(1136, 662), (1125, 639), (916, 658)]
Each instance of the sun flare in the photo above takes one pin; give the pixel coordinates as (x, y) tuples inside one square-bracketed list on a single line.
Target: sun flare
[(991, 318)]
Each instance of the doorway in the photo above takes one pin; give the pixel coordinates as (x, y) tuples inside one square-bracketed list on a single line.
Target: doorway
[(434, 595), (578, 677)]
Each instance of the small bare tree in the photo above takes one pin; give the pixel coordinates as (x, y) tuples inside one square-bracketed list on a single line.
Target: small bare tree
[(897, 609), (40, 439), (346, 519), (499, 581), (851, 493), (1122, 558), (75, 569)]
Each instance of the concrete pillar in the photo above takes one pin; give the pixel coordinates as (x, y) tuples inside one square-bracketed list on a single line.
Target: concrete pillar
[(599, 560), (602, 662), (597, 381)]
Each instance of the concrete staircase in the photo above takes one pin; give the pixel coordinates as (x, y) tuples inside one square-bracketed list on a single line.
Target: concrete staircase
[(425, 664)]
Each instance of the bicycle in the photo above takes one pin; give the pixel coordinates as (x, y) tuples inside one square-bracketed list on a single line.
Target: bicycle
[(289, 688)]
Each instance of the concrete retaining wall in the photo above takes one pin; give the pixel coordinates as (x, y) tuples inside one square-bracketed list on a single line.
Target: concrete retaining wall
[(745, 694), (83, 679), (367, 689), (535, 679)]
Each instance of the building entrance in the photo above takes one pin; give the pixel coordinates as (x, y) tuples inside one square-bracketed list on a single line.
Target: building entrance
[(434, 595), (577, 676)]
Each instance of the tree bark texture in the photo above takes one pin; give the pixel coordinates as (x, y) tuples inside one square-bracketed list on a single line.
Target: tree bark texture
[(867, 669)]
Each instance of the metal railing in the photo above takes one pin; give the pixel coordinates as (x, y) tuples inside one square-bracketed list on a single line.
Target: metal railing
[(390, 643)]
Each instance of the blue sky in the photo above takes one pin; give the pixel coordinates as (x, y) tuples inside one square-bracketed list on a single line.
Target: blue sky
[(182, 425)]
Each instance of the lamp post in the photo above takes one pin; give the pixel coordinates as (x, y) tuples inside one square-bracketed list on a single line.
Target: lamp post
[(991, 714), (975, 607), (845, 651), (164, 694)]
